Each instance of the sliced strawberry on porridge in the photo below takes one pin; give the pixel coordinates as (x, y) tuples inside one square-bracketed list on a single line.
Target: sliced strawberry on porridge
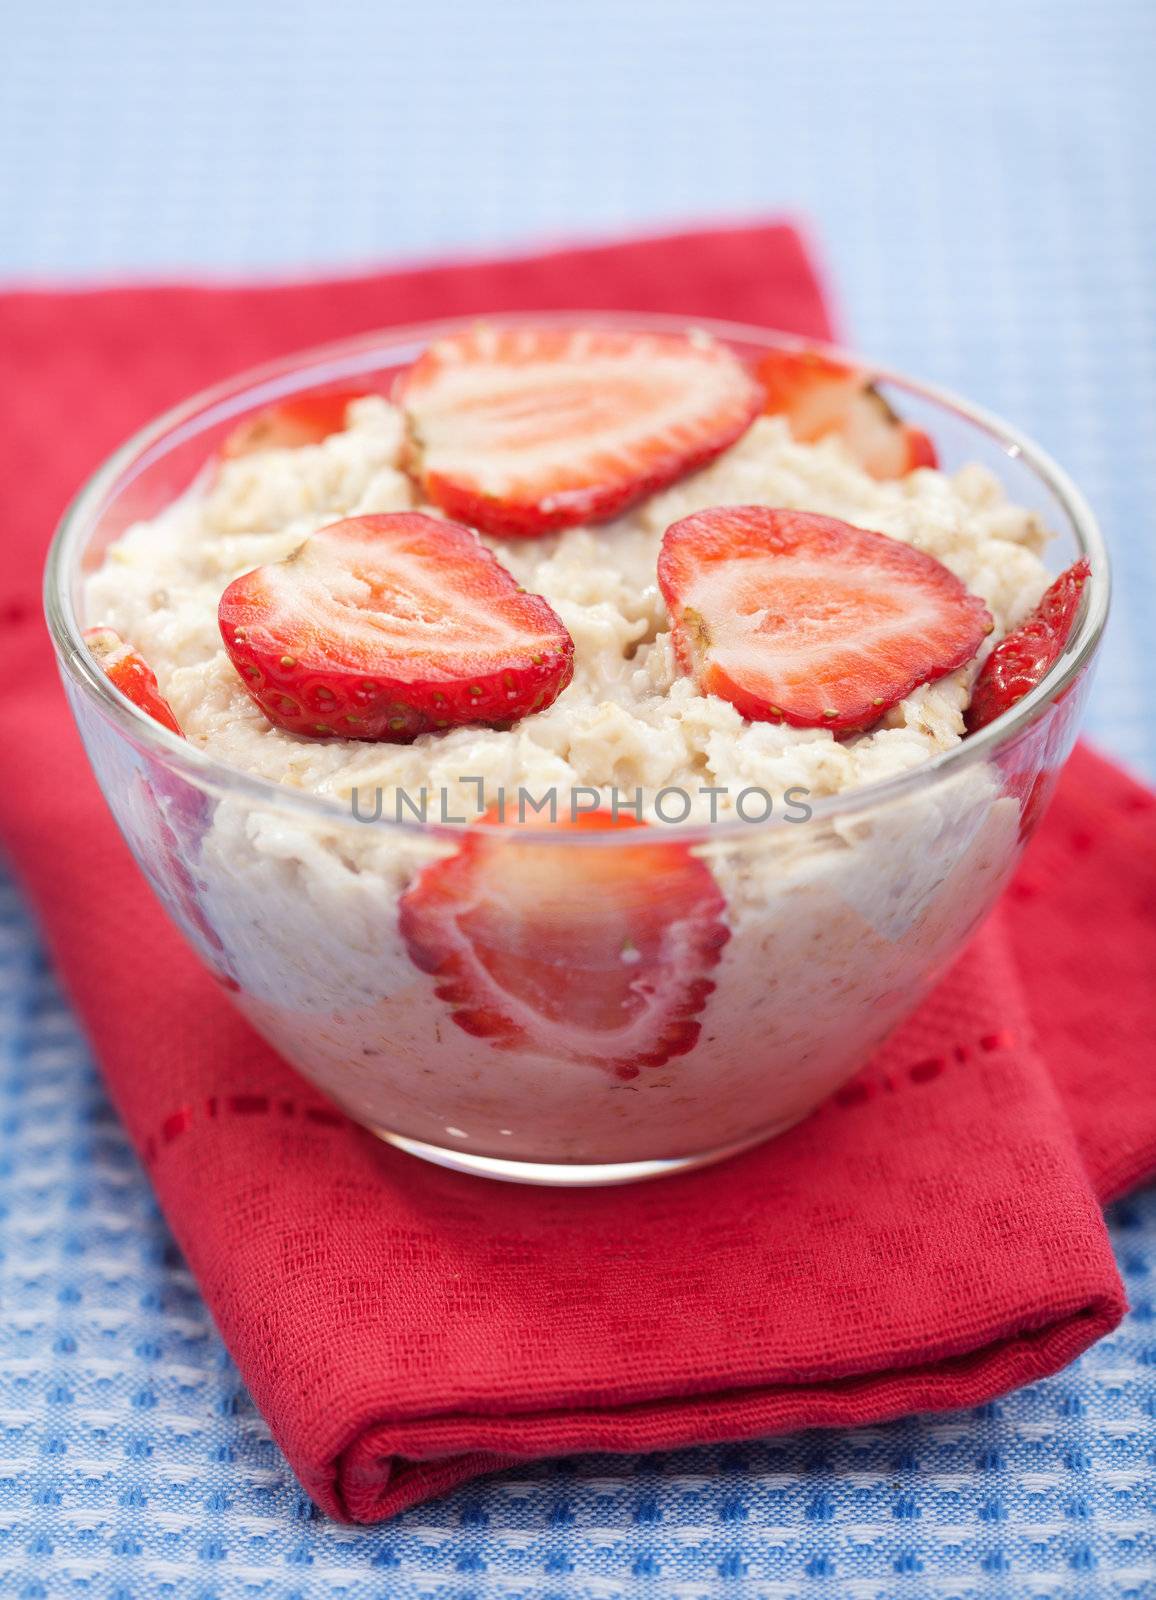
[(288, 424), (594, 954), (820, 396), (1027, 654), (129, 672), (1061, 601), (387, 627), (523, 430), (799, 618)]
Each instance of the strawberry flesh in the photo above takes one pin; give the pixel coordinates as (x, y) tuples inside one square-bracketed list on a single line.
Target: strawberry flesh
[(302, 419), (1027, 654), (820, 397), (129, 672), (802, 619), (595, 955), (387, 627), (523, 430)]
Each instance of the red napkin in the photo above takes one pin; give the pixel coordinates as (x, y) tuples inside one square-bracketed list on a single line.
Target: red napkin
[(928, 1239)]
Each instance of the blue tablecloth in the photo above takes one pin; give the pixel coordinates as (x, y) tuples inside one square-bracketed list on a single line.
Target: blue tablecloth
[(979, 180)]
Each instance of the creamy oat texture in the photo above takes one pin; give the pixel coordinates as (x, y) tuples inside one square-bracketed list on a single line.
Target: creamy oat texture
[(835, 929), (630, 718)]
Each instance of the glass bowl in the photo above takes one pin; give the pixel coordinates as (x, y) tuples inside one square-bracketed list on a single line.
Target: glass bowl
[(813, 940)]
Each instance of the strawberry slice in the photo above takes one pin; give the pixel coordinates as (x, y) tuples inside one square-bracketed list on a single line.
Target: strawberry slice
[(131, 674), (302, 419), (522, 430), (594, 955), (819, 396), (387, 627), (1027, 654), (798, 618)]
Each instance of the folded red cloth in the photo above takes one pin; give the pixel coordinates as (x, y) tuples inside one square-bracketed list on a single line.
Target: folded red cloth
[(928, 1239)]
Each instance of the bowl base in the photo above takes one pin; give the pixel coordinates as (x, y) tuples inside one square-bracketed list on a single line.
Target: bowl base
[(570, 1174)]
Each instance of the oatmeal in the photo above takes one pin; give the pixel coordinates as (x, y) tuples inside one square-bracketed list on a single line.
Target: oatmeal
[(630, 718), (361, 950)]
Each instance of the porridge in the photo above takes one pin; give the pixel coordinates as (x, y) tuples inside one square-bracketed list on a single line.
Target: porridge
[(623, 992)]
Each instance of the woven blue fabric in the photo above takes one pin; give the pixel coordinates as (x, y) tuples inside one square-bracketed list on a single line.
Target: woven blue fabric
[(979, 180)]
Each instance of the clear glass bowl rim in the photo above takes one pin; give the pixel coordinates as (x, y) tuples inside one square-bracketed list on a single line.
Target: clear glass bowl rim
[(347, 358)]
